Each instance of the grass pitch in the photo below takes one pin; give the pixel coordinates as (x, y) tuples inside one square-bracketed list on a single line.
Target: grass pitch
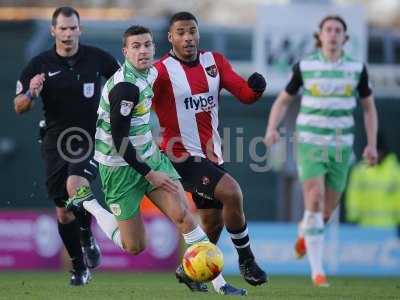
[(160, 286)]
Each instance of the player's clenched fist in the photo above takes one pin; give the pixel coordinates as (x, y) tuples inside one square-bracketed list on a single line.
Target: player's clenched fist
[(370, 154), (36, 84), (257, 82)]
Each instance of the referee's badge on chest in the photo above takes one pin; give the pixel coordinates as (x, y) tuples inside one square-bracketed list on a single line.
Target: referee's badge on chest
[(88, 89)]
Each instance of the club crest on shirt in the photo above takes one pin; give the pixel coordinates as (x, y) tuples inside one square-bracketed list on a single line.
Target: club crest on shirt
[(212, 71), (126, 107), (205, 180), (88, 89)]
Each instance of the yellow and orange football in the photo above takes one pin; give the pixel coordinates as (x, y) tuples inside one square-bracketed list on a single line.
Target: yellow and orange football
[(203, 261)]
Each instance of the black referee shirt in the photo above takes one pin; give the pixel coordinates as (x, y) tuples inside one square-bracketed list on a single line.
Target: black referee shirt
[(72, 87)]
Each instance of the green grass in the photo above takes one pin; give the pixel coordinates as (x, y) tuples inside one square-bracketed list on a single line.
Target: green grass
[(119, 286)]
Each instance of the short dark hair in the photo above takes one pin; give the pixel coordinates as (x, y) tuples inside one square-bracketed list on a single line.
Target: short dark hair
[(135, 30), (338, 18), (182, 16), (66, 11)]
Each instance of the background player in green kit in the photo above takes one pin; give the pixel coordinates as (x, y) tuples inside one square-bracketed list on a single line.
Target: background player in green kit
[(130, 163), (331, 81)]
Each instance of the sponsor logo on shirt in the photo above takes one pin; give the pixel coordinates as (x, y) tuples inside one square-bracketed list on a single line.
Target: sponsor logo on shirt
[(331, 89), (199, 103)]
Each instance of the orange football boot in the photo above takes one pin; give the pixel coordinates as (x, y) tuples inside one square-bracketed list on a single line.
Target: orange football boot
[(300, 247), (320, 280)]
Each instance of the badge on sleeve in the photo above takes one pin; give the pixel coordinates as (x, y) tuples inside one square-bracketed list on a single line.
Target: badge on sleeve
[(126, 107), (88, 89), (19, 88)]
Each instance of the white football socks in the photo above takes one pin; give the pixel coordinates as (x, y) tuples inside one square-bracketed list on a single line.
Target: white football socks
[(195, 236), (218, 282), (105, 220), (313, 226)]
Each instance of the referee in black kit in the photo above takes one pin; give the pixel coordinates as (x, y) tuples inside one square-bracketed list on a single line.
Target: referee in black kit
[(68, 79)]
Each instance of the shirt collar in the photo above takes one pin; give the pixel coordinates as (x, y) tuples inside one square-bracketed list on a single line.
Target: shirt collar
[(74, 58), (135, 72), (190, 63), (323, 58)]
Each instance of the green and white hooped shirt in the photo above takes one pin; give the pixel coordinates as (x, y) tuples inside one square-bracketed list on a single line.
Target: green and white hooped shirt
[(330, 90), (140, 134)]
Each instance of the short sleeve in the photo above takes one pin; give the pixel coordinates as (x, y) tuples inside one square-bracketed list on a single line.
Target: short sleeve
[(363, 87), (32, 69), (296, 80)]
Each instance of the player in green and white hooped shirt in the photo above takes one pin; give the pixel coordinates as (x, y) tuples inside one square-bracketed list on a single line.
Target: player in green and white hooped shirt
[(331, 82), (130, 163)]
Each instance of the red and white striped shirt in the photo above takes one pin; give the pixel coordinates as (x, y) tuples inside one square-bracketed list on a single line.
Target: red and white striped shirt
[(186, 98)]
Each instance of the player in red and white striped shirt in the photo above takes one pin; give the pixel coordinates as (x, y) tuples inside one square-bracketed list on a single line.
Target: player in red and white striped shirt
[(186, 100)]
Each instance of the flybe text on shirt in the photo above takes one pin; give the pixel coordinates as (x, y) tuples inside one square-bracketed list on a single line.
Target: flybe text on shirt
[(199, 103)]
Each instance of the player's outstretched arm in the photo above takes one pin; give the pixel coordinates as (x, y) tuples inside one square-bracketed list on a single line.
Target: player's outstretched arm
[(278, 111), (370, 117), (245, 91), (281, 104)]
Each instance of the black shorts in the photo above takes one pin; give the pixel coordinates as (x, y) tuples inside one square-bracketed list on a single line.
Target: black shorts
[(200, 176), (59, 168)]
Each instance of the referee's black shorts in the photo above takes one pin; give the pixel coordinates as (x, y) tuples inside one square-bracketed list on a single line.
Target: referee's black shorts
[(200, 176), (60, 166)]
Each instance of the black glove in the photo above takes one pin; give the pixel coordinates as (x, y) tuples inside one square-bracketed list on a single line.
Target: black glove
[(257, 82)]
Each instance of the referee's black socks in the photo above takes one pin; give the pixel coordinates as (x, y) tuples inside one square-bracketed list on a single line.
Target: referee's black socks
[(84, 219), (70, 236)]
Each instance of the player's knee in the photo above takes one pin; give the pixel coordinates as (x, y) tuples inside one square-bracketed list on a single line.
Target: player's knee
[(229, 192), (71, 188), (315, 194), (74, 183)]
